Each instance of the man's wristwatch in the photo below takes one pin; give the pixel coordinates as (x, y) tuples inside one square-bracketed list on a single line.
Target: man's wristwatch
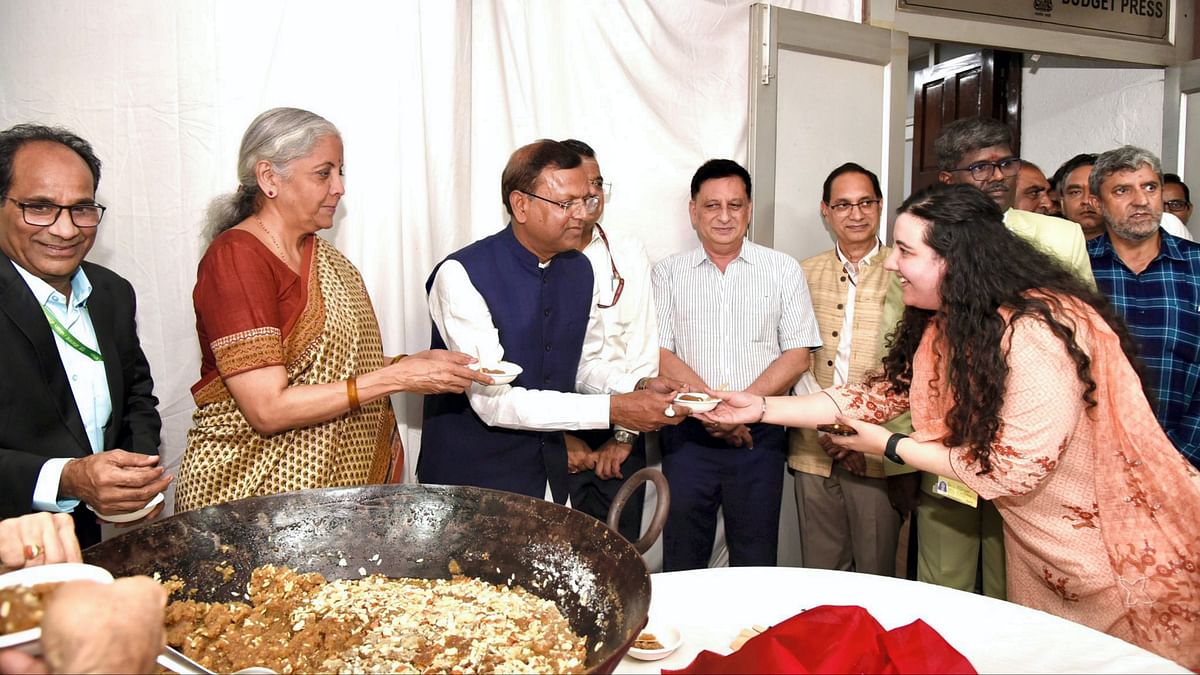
[(889, 450), (622, 436)]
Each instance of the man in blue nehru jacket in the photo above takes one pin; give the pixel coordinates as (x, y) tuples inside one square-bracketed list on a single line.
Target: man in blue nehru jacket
[(525, 295)]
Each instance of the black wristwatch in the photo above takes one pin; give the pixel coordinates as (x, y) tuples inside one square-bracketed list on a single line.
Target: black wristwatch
[(889, 450), (622, 436)]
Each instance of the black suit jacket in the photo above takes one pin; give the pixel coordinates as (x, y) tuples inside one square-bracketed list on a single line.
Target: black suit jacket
[(38, 416)]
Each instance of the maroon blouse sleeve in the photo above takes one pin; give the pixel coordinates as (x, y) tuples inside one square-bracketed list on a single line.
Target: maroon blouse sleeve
[(240, 297)]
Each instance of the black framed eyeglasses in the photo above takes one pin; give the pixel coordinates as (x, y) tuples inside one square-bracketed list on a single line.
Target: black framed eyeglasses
[(589, 204), (864, 205), (620, 280), (983, 170), (1176, 205), (45, 214)]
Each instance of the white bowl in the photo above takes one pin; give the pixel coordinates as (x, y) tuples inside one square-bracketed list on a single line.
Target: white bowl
[(511, 371), (30, 640), (697, 406), (667, 636), (132, 515)]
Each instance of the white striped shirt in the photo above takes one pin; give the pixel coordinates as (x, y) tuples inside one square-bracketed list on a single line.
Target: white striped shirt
[(730, 327)]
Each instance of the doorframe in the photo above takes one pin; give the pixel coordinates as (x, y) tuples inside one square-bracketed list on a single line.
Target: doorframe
[(1179, 81), (1024, 37), (773, 28)]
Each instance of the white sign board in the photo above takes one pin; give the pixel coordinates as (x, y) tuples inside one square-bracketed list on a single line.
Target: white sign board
[(1126, 18)]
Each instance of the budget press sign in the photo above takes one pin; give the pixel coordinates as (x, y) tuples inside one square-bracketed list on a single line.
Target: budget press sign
[(1146, 19)]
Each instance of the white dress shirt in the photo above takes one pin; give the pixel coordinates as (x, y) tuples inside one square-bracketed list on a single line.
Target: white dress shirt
[(465, 323), (841, 361), (1173, 225), (88, 380), (630, 325)]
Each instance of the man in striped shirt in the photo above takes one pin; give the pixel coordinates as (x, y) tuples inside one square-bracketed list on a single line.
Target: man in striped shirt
[(731, 315), (1153, 279)]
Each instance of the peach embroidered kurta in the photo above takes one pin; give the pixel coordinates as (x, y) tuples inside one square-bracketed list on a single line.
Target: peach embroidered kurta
[(1100, 511)]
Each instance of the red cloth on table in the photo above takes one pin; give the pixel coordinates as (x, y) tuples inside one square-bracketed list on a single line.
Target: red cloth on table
[(833, 639)]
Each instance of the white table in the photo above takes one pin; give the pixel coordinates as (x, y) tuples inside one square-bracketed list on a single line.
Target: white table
[(710, 607)]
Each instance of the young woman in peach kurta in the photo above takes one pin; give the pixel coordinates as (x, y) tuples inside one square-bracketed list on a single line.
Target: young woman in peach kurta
[(1093, 501), (1020, 382)]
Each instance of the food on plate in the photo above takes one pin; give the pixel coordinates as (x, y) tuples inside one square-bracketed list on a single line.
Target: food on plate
[(837, 429), (745, 635), (694, 397), (22, 607), (647, 641), (492, 371), (294, 622)]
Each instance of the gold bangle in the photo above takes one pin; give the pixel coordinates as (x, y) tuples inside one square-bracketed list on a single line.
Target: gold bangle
[(642, 384), (764, 411), (396, 359), (352, 393)]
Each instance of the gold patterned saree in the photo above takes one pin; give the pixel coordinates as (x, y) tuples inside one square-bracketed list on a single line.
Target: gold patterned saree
[(333, 336)]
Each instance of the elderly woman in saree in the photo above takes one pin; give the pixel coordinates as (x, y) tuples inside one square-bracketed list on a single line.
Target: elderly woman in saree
[(1023, 384), (294, 386)]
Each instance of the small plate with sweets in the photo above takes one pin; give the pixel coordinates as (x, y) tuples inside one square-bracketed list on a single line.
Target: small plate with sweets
[(502, 372), (23, 594), (655, 642), (696, 401)]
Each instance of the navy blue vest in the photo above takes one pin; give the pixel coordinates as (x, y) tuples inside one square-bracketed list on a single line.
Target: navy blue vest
[(541, 315)]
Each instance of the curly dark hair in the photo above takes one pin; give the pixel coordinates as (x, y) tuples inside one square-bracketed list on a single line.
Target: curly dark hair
[(988, 268)]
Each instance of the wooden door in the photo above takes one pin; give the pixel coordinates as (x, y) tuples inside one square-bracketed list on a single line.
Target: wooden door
[(986, 83)]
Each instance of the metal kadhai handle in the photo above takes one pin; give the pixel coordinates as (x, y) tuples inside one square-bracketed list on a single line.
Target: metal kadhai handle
[(660, 509)]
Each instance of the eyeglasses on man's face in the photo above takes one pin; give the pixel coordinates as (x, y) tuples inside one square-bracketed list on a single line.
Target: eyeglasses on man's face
[(45, 214), (864, 205), (982, 171), (601, 187), (1176, 205), (589, 204)]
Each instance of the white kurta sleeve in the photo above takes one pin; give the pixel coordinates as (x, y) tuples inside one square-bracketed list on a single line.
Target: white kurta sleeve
[(465, 323)]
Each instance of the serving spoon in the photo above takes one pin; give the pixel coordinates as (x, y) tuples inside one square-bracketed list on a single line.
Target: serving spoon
[(173, 660)]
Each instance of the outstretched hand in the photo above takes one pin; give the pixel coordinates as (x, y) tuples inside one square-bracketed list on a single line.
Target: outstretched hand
[(667, 385), (444, 355), (437, 371), (645, 410), (870, 439), (736, 407)]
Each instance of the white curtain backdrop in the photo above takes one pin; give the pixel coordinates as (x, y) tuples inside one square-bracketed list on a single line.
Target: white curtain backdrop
[(431, 97)]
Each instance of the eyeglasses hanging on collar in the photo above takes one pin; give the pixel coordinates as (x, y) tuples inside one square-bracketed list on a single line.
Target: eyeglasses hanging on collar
[(617, 280)]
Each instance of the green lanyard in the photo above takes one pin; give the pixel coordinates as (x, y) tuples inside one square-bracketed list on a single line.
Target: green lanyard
[(62, 332)]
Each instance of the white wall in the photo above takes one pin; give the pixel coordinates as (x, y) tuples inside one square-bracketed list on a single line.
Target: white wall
[(1071, 105), (431, 96)]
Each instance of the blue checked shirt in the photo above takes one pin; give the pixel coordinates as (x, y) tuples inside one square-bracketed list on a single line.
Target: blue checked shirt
[(1162, 307)]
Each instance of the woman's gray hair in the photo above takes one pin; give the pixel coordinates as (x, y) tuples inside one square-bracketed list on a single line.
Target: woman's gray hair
[(278, 136), (1124, 158)]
